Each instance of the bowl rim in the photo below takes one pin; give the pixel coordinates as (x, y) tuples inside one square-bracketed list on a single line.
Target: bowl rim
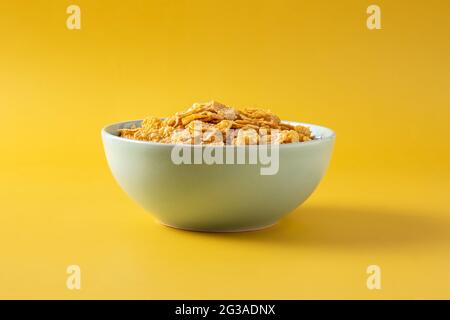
[(330, 137)]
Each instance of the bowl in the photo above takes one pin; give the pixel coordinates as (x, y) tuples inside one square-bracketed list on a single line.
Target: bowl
[(251, 189)]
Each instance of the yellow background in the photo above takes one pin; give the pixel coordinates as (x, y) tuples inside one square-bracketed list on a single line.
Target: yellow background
[(384, 200)]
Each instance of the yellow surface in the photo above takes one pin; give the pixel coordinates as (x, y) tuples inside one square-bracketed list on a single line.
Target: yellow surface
[(384, 201)]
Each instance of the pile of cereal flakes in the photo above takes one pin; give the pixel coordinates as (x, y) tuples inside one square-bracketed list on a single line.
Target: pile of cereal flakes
[(213, 123)]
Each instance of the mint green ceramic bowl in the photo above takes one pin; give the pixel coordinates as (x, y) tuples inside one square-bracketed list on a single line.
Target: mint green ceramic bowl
[(216, 197)]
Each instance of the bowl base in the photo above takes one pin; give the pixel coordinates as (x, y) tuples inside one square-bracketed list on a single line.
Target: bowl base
[(218, 231)]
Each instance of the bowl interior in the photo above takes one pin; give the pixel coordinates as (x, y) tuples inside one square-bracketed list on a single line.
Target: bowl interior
[(320, 132)]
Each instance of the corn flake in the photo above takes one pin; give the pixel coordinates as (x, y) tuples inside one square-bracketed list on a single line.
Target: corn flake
[(213, 123)]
